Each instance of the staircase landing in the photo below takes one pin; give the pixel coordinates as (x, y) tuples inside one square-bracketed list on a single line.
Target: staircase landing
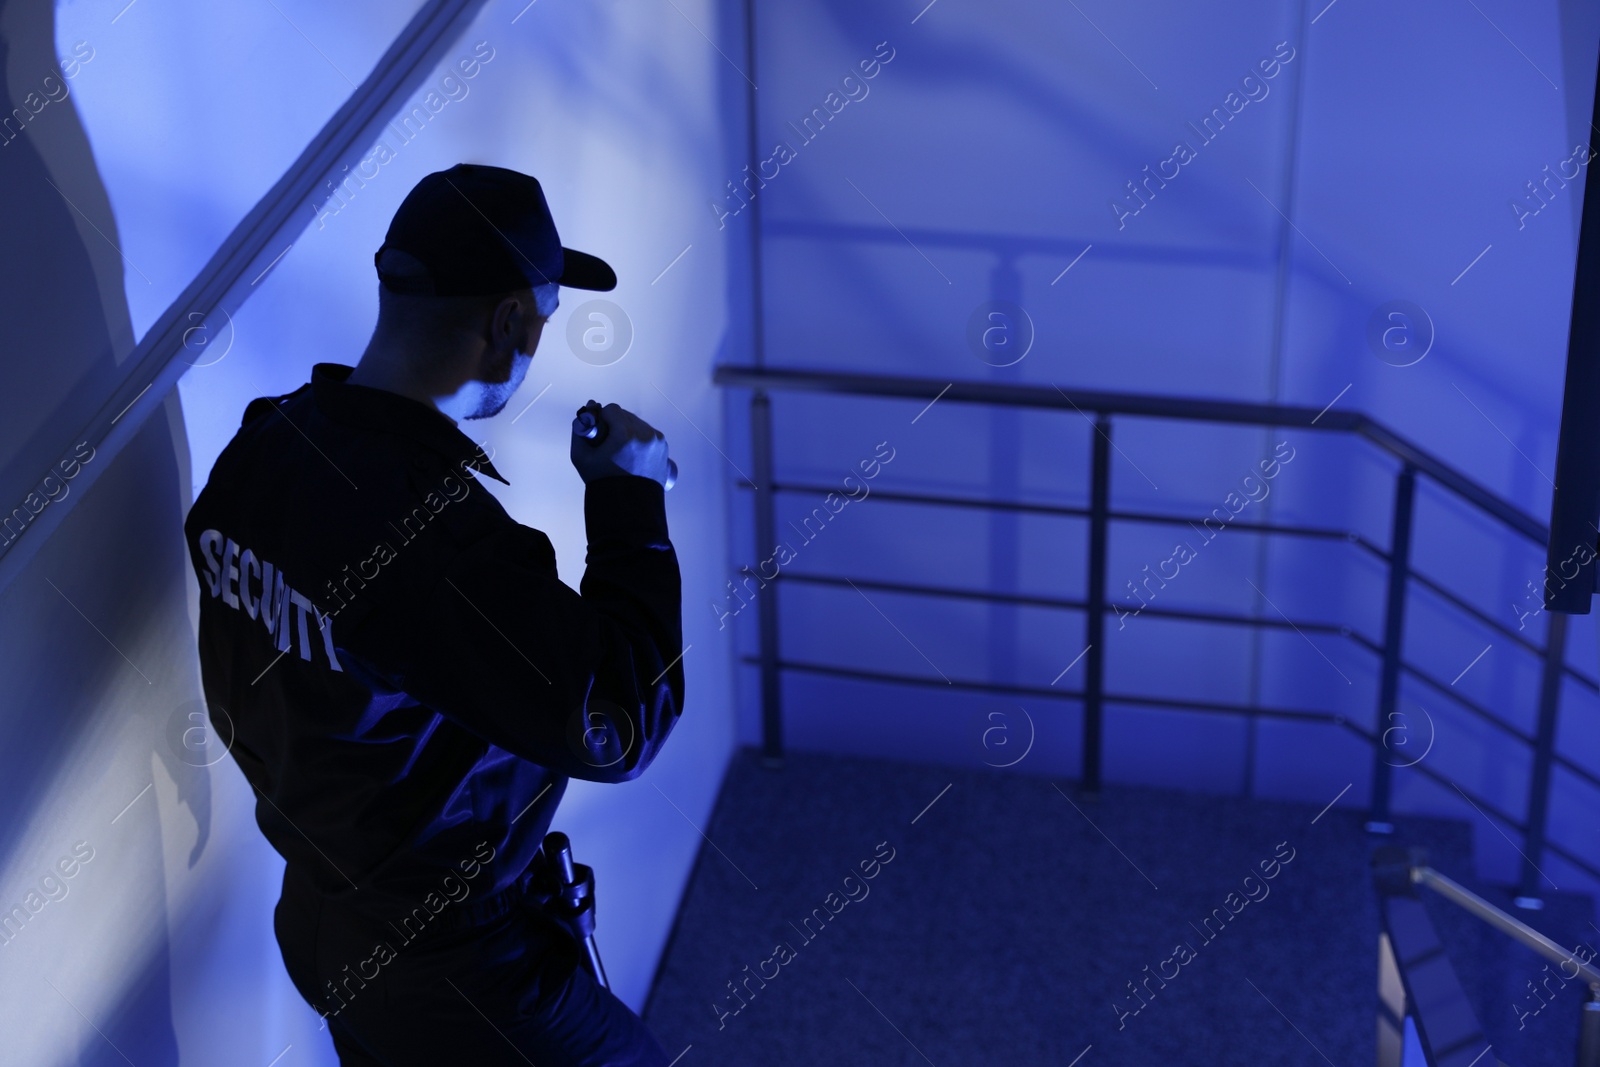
[(1013, 915)]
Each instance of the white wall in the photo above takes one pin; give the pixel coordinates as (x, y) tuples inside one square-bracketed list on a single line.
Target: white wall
[(1418, 127), (191, 115), (982, 162)]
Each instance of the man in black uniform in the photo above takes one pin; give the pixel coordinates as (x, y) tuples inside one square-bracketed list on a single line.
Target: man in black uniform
[(401, 674)]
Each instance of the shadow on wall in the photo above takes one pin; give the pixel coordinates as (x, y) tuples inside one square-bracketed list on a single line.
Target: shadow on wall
[(99, 650)]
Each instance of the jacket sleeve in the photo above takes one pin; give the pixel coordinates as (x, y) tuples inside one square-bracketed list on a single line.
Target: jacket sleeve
[(587, 684)]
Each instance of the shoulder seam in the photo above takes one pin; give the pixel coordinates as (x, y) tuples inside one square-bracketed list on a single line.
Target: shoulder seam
[(262, 404)]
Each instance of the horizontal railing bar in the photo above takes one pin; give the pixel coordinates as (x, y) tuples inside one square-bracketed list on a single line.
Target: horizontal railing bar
[(1505, 631), (1010, 394), (1204, 707), (1324, 533), (929, 498), (1483, 805), (1304, 531), (920, 589), (1571, 857), (1467, 702), (1490, 717), (1319, 532), (1477, 613), (1068, 510), (916, 679), (1372, 739), (1072, 694), (1219, 617), (1006, 394), (1582, 772), (1550, 846), (1222, 707), (1581, 678), (1064, 604), (1242, 620), (1464, 487)]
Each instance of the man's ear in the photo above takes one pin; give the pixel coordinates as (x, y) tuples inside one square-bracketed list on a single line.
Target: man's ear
[(503, 321)]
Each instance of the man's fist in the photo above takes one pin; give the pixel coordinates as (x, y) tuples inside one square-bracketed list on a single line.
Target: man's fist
[(628, 445)]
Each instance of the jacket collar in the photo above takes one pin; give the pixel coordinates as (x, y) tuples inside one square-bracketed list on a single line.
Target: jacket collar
[(379, 409)]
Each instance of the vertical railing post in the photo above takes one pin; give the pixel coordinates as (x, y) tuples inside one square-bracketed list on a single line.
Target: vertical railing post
[(1391, 876), (1405, 492), (767, 608), (1544, 744), (1094, 629), (1589, 1032), (1391, 1006)]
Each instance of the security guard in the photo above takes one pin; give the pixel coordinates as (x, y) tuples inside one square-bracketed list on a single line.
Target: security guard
[(400, 673)]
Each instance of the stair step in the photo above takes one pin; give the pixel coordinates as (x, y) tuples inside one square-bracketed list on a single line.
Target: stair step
[(1015, 920)]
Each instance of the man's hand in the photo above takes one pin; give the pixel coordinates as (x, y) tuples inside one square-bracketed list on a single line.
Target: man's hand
[(630, 446)]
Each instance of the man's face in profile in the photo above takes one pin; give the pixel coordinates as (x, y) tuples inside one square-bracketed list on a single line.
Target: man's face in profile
[(515, 354)]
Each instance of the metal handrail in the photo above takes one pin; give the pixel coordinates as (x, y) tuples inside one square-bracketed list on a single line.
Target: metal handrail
[(142, 378), (1316, 532), (1417, 980), (1467, 900), (1004, 394), (1100, 407), (1328, 533)]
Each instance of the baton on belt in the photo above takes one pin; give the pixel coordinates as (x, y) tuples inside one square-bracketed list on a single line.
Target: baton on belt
[(589, 425), (571, 900)]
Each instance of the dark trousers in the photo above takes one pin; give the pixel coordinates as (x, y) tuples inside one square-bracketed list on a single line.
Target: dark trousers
[(511, 990)]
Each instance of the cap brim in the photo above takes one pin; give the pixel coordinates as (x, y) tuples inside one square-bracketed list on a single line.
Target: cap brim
[(580, 270)]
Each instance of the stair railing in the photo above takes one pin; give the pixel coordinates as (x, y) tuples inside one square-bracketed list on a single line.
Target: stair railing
[(1414, 463), (1416, 981)]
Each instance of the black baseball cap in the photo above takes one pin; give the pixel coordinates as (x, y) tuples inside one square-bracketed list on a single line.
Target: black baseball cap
[(481, 230)]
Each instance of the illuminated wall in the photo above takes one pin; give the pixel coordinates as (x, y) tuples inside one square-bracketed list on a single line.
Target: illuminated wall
[(914, 163), (173, 123), (1196, 200)]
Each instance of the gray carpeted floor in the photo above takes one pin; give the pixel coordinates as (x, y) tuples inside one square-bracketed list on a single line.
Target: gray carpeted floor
[(1001, 926)]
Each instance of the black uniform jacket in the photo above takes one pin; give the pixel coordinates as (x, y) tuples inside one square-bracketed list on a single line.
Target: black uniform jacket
[(396, 666)]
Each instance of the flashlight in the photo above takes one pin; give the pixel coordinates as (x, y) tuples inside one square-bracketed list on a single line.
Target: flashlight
[(589, 425), (572, 898)]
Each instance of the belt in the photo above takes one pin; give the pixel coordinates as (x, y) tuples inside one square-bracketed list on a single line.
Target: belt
[(476, 911), (454, 916), (527, 888)]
